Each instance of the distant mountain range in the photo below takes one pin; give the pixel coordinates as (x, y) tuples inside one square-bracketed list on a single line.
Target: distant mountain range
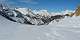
[(27, 16)]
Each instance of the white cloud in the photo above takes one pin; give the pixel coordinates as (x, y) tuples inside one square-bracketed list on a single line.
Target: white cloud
[(23, 1), (53, 13), (28, 1), (63, 12), (1, 1)]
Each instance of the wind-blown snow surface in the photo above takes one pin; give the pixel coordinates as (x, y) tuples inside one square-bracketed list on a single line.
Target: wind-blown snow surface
[(66, 29)]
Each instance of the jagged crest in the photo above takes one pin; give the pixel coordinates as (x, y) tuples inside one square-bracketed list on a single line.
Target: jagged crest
[(77, 12)]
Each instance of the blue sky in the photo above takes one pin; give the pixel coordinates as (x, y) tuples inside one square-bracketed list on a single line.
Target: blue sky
[(51, 5)]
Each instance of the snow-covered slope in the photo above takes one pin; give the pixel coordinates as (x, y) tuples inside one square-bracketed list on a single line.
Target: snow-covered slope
[(27, 16), (66, 29)]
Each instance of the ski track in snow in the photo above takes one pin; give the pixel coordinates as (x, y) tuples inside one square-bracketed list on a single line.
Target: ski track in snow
[(66, 29)]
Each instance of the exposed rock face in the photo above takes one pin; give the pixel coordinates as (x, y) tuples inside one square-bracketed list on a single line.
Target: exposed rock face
[(77, 12)]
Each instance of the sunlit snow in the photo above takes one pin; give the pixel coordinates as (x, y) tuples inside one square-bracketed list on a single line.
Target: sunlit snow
[(66, 29)]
